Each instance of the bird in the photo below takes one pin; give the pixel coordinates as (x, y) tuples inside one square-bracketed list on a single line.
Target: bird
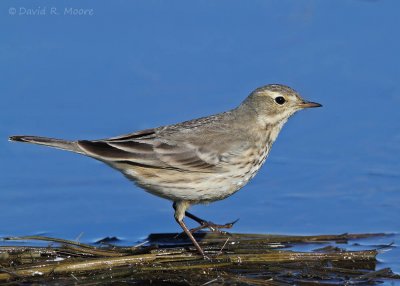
[(197, 161)]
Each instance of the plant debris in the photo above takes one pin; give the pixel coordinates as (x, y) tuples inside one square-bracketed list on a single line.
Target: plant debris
[(170, 259)]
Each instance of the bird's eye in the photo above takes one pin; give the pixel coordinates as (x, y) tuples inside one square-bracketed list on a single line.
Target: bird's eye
[(280, 100)]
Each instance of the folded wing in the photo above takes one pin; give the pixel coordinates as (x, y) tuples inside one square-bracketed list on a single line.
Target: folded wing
[(147, 149)]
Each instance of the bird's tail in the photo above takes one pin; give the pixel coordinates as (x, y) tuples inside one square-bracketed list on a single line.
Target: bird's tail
[(51, 142)]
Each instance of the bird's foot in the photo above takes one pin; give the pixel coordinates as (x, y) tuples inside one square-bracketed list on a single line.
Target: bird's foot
[(213, 227)]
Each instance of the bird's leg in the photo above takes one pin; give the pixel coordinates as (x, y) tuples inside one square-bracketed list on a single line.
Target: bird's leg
[(208, 224), (180, 209)]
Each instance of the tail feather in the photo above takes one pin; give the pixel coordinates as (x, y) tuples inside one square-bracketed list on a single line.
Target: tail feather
[(51, 142)]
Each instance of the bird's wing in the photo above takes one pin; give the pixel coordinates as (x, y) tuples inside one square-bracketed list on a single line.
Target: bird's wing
[(148, 148)]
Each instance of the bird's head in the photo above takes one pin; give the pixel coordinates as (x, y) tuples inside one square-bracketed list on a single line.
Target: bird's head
[(275, 103)]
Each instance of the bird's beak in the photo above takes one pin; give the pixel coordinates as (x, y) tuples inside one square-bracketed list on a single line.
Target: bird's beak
[(309, 104)]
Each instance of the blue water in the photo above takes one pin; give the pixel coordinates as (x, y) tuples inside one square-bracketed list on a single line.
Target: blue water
[(138, 64)]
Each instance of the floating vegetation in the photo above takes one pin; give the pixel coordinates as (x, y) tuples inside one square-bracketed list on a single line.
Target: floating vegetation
[(170, 259)]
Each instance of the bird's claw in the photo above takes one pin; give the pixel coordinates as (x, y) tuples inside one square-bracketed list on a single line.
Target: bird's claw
[(213, 227)]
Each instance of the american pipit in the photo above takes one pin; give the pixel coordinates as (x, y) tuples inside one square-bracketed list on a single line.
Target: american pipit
[(197, 161)]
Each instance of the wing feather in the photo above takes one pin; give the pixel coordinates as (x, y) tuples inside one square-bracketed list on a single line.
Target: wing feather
[(165, 148), (155, 154), (105, 152), (147, 133)]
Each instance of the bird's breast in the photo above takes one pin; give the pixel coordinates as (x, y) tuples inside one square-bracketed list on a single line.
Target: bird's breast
[(248, 164)]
